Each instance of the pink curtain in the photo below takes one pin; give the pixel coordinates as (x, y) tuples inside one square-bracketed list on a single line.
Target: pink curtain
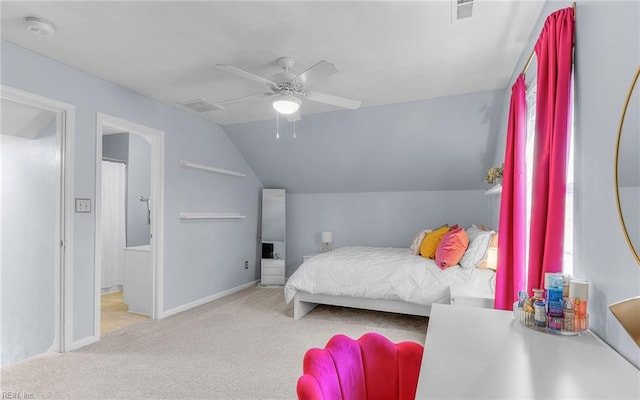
[(554, 51), (511, 241)]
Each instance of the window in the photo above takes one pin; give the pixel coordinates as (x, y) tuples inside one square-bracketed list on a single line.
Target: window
[(567, 262), (531, 130)]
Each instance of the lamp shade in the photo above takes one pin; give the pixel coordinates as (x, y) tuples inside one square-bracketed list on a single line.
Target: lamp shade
[(286, 104), (326, 237)]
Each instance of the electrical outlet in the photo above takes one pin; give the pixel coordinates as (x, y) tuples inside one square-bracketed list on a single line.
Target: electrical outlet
[(246, 265)]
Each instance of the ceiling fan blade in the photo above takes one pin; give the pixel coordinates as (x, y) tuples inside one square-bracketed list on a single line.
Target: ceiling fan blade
[(294, 117), (316, 72), (333, 100), (245, 74), (251, 96)]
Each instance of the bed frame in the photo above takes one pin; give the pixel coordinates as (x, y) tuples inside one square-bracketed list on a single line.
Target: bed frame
[(303, 302)]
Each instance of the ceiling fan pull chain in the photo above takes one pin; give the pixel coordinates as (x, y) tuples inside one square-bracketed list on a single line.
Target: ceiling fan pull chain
[(294, 128), (277, 125)]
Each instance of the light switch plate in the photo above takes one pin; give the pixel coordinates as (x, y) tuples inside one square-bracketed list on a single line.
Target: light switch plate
[(83, 205)]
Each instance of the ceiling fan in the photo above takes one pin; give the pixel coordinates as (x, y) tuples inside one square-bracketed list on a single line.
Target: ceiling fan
[(289, 89)]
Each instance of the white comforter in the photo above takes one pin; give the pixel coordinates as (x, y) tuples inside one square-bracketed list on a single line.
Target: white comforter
[(384, 273)]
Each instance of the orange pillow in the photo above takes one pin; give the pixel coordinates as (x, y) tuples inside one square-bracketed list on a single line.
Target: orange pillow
[(431, 240), (451, 248), (490, 260)]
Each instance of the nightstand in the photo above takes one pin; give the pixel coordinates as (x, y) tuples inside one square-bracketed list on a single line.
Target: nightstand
[(306, 257), (469, 298), (272, 272)]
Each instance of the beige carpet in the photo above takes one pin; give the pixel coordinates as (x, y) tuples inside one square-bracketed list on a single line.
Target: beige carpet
[(114, 313), (243, 346)]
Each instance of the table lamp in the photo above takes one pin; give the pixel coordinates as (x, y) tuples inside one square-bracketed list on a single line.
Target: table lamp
[(327, 239)]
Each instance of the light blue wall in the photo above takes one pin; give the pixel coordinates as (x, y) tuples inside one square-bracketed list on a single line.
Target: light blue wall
[(445, 143), (201, 258), (28, 246), (377, 175), (116, 146), (607, 54), (375, 219)]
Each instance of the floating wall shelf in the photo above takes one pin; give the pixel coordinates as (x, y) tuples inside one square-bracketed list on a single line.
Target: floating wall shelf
[(210, 169), (203, 215), (497, 189)]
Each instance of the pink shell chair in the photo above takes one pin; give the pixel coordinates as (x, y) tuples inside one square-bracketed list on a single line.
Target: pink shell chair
[(371, 367)]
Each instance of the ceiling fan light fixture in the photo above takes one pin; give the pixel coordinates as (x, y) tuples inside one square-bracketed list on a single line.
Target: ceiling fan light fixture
[(286, 104)]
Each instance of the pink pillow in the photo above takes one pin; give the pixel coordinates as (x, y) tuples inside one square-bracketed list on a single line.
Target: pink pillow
[(451, 248)]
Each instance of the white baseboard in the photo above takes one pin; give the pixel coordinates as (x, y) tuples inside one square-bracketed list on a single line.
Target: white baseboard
[(205, 300), (81, 343)]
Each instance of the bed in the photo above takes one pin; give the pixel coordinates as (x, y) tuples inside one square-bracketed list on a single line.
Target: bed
[(380, 278)]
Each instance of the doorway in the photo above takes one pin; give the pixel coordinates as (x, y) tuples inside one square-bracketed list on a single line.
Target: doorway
[(129, 223), (36, 187)]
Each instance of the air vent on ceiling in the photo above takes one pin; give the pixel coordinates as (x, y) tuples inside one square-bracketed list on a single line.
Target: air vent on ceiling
[(464, 8), (201, 105)]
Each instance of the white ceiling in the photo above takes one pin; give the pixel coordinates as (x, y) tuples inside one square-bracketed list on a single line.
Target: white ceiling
[(387, 52)]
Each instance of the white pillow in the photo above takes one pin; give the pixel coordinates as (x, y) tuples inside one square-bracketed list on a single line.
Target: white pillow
[(415, 246), (478, 244), (474, 232)]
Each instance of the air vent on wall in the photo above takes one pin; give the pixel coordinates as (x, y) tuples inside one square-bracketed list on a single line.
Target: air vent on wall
[(201, 105), (464, 8)]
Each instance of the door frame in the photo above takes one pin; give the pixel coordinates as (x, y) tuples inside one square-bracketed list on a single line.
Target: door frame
[(156, 138), (63, 275)]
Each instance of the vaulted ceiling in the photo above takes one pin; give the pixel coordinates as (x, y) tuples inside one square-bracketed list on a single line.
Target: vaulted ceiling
[(436, 144), (399, 53)]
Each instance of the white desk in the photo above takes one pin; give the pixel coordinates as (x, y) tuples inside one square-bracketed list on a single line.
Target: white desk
[(486, 354)]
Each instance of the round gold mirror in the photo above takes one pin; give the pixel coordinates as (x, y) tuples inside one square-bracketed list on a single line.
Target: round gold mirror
[(627, 176)]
